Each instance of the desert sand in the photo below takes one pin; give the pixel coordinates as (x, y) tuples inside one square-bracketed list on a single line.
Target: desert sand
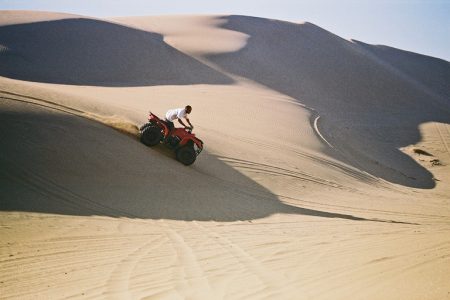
[(325, 173)]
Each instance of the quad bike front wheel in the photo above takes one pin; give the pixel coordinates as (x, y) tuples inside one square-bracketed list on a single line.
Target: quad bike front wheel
[(186, 155), (151, 136)]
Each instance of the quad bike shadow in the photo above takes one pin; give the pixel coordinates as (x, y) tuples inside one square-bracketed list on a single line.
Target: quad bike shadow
[(179, 140)]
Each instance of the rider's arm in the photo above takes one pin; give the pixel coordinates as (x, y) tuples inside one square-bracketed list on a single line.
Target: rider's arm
[(184, 125), (189, 122)]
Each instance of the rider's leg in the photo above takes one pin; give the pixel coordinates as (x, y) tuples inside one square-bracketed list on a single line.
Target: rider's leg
[(170, 125)]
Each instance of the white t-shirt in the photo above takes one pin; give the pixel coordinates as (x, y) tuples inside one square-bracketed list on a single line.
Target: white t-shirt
[(176, 113)]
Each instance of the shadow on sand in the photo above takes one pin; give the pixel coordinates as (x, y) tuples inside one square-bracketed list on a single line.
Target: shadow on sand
[(431, 73), (57, 163), (93, 52), (368, 97)]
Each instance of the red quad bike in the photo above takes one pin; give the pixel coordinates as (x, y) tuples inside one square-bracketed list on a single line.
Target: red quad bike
[(185, 144)]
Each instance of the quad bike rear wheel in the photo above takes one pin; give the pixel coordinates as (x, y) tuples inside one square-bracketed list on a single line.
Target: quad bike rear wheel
[(186, 155), (151, 136), (145, 126)]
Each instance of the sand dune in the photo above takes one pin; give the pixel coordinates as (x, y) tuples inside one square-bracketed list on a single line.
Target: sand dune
[(429, 72), (348, 88), (325, 172), (346, 83), (86, 51)]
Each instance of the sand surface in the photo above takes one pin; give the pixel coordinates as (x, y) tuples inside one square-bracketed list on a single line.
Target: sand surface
[(325, 173)]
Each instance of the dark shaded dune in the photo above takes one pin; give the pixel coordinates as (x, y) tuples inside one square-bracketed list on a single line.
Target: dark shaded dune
[(433, 73), (320, 68), (54, 162), (368, 109), (85, 51)]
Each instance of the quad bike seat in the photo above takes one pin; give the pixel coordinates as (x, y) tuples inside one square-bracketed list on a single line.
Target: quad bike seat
[(165, 122)]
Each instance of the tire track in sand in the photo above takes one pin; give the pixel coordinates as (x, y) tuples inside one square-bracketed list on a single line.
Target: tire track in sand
[(190, 278), (276, 283), (442, 137), (118, 284), (278, 171)]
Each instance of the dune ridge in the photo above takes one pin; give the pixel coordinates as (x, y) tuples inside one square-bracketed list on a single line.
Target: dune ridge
[(87, 51), (115, 122)]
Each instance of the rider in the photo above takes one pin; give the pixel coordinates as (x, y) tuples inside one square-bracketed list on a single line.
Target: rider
[(178, 113)]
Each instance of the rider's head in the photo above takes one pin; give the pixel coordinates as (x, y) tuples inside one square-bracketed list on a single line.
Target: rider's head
[(188, 109)]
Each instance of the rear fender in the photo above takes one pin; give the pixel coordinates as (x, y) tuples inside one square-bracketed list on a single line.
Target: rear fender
[(165, 129), (155, 120)]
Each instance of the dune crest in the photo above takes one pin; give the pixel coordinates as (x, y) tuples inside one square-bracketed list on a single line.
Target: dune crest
[(86, 51)]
